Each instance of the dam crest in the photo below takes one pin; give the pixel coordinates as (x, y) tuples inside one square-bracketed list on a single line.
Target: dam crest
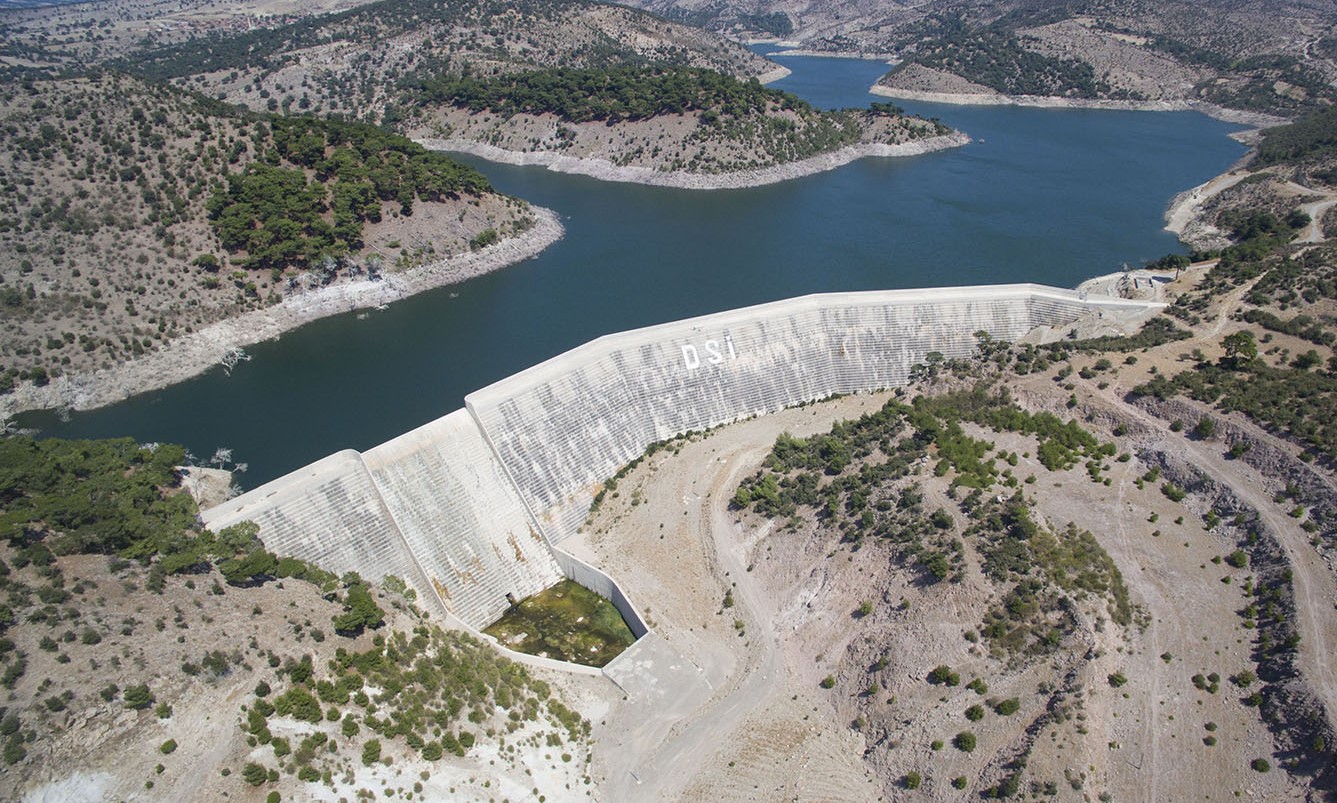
[(471, 509)]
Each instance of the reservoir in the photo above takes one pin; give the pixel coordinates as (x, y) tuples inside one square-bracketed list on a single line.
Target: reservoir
[(1041, 195)]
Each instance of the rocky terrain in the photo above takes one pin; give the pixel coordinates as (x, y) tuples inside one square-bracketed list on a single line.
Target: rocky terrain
[(1252, 56), (142, 658), (111, 251), (353, 63), (863, 656)]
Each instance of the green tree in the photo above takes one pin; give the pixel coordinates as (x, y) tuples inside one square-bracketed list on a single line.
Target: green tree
[(371, 752), (1241, 349), (254, 774), (360, 610)]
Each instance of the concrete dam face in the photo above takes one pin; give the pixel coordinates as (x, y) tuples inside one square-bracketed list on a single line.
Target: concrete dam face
[(474, 506)]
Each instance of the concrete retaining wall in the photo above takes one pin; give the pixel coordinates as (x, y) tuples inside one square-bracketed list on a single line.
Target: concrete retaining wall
[(562, 427), (465, 508)]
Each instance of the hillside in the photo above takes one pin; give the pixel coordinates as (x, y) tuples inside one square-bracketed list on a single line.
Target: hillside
[(350, 63), (134, 213), (1252, 56), (685, 121), (143, 658), (1097, 568)]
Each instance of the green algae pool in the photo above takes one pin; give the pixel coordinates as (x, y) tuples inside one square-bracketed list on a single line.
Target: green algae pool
[(567, 622)]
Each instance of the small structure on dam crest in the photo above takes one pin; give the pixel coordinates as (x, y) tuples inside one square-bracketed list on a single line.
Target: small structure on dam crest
[(472, 508)]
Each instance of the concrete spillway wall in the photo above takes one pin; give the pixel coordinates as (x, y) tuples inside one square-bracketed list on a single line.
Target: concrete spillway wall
[(460, 507)]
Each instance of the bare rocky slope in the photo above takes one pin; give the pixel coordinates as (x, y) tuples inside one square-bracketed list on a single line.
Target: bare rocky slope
[(1253, 56), (351, 63), (920, 635)]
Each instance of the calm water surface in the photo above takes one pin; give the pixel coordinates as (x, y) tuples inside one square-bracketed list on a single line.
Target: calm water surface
[(1051, 196)]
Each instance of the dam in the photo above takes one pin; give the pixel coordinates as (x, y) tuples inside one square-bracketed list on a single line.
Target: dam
[(471, 509)]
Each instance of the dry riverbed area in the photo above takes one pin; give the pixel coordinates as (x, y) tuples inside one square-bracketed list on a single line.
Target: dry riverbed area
[(838, 668)]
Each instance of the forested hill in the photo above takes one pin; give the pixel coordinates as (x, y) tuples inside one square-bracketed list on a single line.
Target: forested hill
[(666, 119), (348, 63), (133, 212), (1254, 55)]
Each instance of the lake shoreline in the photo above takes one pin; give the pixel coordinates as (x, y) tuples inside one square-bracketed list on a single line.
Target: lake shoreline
[(193, 354), (1251, 119), (604, 170)]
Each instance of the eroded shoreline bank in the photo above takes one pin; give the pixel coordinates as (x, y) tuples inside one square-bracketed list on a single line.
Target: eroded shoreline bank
[(1252, 119), (193, 354), (605, 170)]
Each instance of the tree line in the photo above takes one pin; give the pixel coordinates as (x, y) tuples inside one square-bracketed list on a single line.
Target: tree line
[(613, 94)]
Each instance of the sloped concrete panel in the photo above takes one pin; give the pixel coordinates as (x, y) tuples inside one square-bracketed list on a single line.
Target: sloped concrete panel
[(562, 427)]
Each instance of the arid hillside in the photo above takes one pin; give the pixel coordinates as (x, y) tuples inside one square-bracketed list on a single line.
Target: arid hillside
[(352, 62), (120, 234), (1253, 56), (143, 658), (1034, 574)]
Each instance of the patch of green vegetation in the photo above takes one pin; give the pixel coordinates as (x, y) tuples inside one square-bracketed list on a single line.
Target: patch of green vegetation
[(1156, 332), (1045, 568), (322, 180), (995, 57), (1311, 136), (567, 622), (1298, 401)]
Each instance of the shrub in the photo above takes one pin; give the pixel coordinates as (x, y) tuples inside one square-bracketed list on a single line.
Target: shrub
[(911, 780), (1008, 707), (1118, 679), (960, 782), (964, 741), (943, 675), (168, 747), (371, 752), (254, 774), (1239, 559), (138, 697), (828, 682), (975, 713), (1260, 765)]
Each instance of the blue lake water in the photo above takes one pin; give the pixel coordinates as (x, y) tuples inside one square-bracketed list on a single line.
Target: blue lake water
[(1051, 196)]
